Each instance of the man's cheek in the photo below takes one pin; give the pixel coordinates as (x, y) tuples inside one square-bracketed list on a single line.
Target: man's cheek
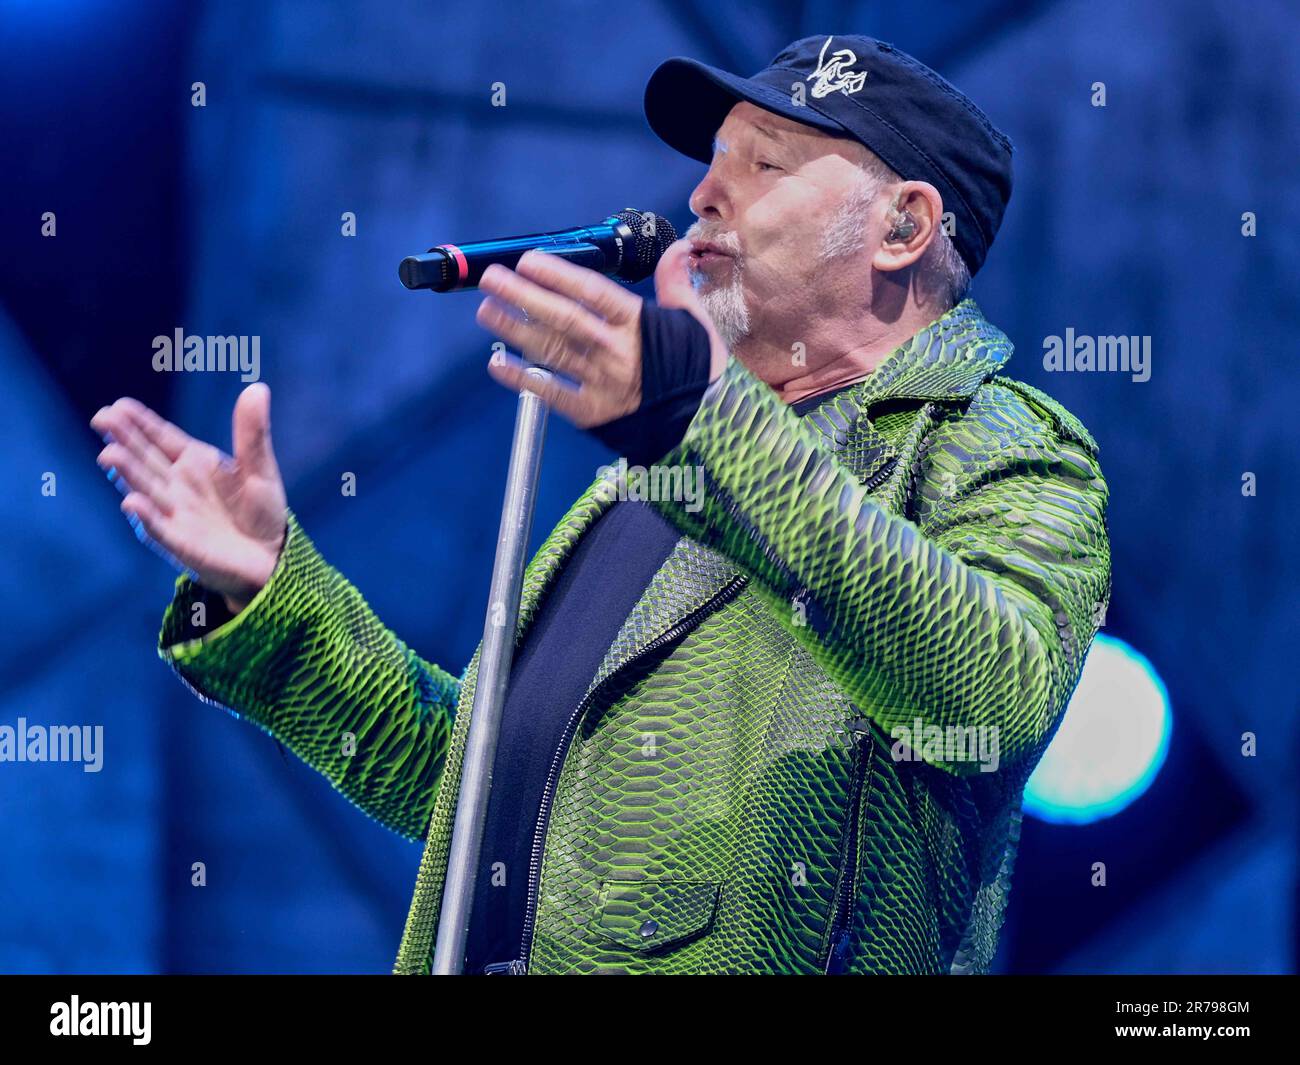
[(771, 221), (763, 279)]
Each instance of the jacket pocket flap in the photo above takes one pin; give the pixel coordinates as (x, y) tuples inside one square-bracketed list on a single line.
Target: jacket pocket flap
[(649, 915)]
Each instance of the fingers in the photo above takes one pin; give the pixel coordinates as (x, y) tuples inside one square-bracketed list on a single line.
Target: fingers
[(513, 372), (553, 330), (251, 430), (130, 473), (673, 286), (131, 459), (150, 528), (162, 434), (145, 518), (606, 298), (116, 426)]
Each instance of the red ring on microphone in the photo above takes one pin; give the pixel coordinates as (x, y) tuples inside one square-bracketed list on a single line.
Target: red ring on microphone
[(462, 265)]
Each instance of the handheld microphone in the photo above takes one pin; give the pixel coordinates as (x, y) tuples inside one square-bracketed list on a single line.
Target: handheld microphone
[(626, 246)]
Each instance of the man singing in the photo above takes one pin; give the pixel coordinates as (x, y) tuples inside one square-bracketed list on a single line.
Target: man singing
[(781, 725)]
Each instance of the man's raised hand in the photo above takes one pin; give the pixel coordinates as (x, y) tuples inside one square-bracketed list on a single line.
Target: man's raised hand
[(220, 517), (584, 325)]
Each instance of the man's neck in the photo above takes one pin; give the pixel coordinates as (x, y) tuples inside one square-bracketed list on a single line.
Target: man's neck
[(876, 341)]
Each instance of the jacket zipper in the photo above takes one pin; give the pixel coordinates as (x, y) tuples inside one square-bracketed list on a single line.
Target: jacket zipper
[(519, 966), (846, 890), (841, 932), (881, 474)]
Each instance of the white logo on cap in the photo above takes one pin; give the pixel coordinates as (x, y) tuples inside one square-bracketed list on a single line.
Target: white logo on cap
[(832, 75)]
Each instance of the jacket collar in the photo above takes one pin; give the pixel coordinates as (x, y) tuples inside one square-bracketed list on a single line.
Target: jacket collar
[(945, 361)]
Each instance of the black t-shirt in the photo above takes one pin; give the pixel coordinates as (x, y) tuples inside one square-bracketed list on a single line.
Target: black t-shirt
[(595, 591)]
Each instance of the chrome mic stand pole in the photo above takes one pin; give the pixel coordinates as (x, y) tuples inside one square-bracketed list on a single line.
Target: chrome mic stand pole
[(493, 672)]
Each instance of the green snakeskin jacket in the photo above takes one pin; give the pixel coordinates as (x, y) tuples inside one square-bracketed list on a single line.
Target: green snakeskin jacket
[(756, 781)]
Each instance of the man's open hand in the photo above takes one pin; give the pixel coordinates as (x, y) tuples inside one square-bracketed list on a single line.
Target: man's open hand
[(585, 326), (222, 518)]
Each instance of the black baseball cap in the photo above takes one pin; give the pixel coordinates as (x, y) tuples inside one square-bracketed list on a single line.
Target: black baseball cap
[(911, 118)]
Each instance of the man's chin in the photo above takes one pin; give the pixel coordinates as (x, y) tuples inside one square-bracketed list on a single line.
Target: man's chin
[(732, 327)]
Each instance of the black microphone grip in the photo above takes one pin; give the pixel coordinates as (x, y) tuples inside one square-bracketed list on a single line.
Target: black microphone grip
[(626, 246), (450, 267)]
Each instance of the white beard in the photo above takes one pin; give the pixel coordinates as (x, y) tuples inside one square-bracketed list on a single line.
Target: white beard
[(843, 237), (725, 303)]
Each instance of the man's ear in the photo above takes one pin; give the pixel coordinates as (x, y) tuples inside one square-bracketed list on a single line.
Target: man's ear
[(913, 219)]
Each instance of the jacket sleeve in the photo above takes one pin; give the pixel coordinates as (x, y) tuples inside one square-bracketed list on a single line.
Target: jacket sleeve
[(977, 614), (308, 662)]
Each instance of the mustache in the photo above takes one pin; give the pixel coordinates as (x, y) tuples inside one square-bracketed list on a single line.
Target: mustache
[(716, 233)]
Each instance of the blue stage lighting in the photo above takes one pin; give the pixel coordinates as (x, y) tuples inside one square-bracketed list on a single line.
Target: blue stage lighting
[(1110, 745)]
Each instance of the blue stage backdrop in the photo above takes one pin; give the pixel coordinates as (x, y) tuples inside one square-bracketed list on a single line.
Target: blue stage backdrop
[(1156, 196)]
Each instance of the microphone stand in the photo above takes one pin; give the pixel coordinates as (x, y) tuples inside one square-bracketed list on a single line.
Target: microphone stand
[(493, 672)]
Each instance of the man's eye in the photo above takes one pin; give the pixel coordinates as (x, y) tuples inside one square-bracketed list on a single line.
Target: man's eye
[(767, 166)]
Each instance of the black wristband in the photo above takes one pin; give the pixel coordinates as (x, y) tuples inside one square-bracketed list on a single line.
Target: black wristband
[(675, 363)]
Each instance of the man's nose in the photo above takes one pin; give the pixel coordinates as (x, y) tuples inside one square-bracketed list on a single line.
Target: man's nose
[(709, 200)]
